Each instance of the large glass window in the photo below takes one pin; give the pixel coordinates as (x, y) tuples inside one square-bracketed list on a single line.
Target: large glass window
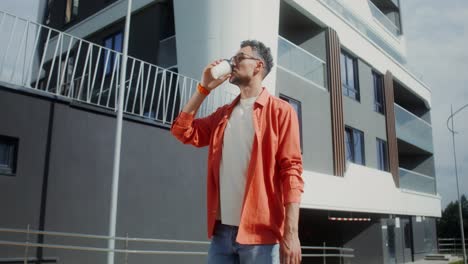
[(113, 42), (71, 10), (349, 76), (297, 106), (378, 93), (8, 154), (382, 156), (354, 140)]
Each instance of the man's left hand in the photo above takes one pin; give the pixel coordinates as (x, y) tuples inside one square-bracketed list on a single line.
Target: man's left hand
[(290, 248)]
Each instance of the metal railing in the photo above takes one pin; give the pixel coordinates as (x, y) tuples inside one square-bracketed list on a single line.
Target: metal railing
[(295, 59), (324, 252), (450, 246), (55, 63), (357, 22), (384, 20)]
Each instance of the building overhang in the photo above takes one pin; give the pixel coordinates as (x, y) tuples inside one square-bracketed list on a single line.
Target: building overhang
[(364, 189)]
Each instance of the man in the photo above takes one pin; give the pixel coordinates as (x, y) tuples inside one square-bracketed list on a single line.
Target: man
[(254, 179)]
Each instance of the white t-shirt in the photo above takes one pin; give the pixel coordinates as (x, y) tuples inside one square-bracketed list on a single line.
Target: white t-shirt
[(237, 148)]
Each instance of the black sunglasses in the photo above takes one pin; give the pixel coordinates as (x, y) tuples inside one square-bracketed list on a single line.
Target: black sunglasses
[(242, 56)]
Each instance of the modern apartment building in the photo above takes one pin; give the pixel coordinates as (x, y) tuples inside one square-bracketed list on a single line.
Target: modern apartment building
[(366, 132)]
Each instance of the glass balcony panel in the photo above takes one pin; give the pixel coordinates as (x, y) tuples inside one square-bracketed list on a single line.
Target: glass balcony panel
[(297, 60), (384, 20), (413, 129), (417, 182), (364, 28)]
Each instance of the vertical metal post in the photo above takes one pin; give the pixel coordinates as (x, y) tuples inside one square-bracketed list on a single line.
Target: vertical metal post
[(324, 253), (126, 249), (341, 255), (454, 246), (27, 247), (118, 141), (458, 189)]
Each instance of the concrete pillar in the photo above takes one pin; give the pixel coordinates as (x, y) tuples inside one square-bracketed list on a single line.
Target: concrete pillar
[(207, 30)]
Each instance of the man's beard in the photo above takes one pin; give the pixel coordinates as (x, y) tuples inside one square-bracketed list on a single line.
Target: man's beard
[(237, 81)]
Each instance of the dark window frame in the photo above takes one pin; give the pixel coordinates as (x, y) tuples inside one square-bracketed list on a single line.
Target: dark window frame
[(382, 148), (10, 169), (348, 90), (379, 96), (351, 134), (112, 57), (298, 112)]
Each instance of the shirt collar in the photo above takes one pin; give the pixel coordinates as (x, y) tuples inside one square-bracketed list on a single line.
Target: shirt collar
[(262, 99)]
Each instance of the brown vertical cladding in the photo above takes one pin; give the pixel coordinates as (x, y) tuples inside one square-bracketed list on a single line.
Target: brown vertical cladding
[(391, 129), (336, 99)]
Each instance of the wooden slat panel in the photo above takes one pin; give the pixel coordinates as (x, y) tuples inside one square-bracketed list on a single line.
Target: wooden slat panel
[(391, 129), (336, 101)]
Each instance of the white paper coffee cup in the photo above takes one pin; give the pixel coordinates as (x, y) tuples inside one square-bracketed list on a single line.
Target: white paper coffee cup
[(221, 69)]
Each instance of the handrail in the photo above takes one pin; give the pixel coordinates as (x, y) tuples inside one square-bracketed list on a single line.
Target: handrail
[(69, 67), (52, 233), (146, 240), (403, 65), (301, 49)]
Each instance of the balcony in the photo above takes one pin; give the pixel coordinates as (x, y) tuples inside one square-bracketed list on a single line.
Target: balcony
[(384, 20), (410, 180), (302, 63), (413, 129), (41, 60), (359, 24)]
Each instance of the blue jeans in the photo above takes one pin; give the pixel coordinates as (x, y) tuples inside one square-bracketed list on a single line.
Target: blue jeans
[(225, 250)]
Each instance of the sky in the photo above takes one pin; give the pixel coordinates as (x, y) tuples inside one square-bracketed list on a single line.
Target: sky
[(436, 37)]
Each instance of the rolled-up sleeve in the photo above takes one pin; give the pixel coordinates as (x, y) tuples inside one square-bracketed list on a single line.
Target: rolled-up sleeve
[(193, 131), (289, 158)]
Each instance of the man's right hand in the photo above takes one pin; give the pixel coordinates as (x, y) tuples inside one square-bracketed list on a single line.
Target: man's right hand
[(207, 79)]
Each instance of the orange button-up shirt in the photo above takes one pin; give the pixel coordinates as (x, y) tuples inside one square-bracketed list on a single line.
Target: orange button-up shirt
[(274, 171)]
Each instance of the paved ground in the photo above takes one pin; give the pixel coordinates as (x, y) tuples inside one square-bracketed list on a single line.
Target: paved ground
[(452, 259)]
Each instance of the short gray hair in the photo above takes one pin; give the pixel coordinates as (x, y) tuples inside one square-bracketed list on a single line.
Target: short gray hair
[(262, 51)]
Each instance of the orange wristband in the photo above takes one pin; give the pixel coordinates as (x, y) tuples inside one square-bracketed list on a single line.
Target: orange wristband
[(202, 89)]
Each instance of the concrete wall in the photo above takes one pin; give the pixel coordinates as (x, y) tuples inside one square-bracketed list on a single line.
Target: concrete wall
[(25, 118), (161, 191), (316, 121), (361, 115)]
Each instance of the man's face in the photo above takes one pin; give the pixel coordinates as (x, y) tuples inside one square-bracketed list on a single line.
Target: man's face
[(246, 65)]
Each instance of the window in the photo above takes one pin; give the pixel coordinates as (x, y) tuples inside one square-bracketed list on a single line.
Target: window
[(8, 155), (378, 93), (382, 156), (71, 10), (349, 76), (354, 140), (113, 42), (297, 106)]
